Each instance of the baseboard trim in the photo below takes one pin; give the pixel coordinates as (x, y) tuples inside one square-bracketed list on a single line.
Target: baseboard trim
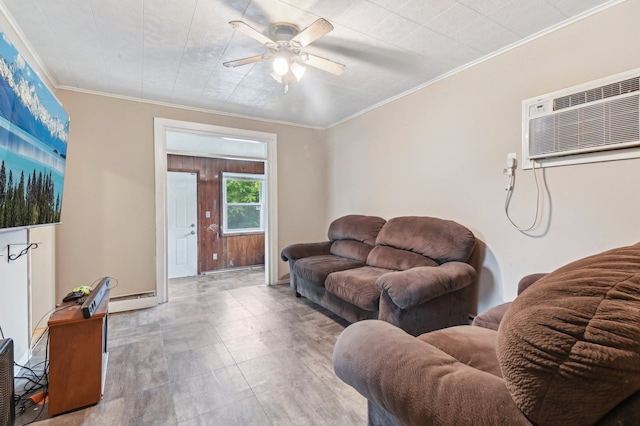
[(132, 304)]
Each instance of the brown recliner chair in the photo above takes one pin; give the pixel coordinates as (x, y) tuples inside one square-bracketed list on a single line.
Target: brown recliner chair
[(567, 352)]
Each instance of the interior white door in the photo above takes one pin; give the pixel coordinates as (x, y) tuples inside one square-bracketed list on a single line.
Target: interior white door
[(182, 220)]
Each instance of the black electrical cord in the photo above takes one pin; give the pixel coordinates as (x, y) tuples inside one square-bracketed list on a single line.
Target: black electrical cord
[(37, 381), (46, 381)]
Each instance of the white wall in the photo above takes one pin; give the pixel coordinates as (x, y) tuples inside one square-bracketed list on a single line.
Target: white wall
[(440, 152), (26, 285), (42, 279), (14, 302)]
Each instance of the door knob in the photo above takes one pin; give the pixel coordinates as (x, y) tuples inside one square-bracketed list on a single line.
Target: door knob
[(193, 225), (193, 232)]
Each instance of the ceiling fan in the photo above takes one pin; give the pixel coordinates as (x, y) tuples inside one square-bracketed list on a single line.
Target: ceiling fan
[(285, 47)]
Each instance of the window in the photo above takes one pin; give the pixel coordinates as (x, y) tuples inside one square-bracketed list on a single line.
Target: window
[(242, 203)]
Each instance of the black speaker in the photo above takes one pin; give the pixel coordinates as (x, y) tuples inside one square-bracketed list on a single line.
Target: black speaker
[(7, 409)]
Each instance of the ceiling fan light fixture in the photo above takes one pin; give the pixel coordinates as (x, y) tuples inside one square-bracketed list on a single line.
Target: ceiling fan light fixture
[(283, 79), (284, 49), (280, 65), (285, 70), (297, 70)]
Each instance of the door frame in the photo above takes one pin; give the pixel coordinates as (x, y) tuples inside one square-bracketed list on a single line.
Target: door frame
[(161, 126)]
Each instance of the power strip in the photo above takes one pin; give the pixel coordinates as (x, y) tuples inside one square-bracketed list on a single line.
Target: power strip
[(95, 297)]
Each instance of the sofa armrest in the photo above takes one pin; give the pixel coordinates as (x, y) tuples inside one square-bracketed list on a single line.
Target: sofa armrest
[(418, 383), (298, 251), (526, 281), (492, 317), (421, 284)]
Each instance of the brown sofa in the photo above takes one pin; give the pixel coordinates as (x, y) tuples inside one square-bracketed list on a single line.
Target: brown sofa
[(409, 271), (567, 352)]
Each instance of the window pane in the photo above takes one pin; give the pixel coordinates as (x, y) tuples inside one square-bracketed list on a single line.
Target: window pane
[(242, 210), (243, 217), (243, 191)]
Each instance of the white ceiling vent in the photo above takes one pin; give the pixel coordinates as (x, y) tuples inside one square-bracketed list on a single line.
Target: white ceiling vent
[(597, 121)]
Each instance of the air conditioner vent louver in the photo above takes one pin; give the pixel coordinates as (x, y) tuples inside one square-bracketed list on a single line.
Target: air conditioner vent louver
[(603, 125), (597, 93), (596, 121)]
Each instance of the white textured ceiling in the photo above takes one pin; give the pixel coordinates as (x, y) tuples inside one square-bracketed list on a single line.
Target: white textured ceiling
[(172, 51)]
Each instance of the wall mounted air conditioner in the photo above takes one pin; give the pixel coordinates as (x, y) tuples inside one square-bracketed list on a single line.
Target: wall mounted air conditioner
[(596, 121)]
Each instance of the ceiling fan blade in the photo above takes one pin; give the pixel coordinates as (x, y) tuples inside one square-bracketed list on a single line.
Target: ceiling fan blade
[(244, 61), (310, 34), (321, 63), (253, 33), (382, 56)]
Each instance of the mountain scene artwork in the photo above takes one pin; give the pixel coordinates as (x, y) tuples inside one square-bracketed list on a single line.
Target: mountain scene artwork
[(33, 144)]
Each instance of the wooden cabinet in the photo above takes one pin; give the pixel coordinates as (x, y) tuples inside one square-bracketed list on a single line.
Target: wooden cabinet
[(77, 356)]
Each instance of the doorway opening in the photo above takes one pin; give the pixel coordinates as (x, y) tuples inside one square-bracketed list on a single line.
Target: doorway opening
[(178, 139), (230, 213)]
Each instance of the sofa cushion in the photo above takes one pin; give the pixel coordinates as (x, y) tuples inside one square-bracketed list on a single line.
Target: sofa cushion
[(399, 260), (316, 268), (441, 240), (356, 227), (472, 346), (357, 286), (351, 249), (569, 346)]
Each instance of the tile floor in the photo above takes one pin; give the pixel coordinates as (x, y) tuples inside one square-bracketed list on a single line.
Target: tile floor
[(226, 350)]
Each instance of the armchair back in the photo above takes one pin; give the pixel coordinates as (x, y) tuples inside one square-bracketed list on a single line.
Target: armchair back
[(569, 346)]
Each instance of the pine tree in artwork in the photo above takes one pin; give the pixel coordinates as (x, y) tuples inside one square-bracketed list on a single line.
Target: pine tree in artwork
[(3, 192), (30, 201), (8, 202), (3, 182), (58, 209), (20, 204)]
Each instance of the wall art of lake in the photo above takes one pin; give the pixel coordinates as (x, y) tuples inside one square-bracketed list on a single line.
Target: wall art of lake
[(33, 145)]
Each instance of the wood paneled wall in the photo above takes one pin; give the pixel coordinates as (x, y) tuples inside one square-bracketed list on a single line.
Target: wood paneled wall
[(232, 251)]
